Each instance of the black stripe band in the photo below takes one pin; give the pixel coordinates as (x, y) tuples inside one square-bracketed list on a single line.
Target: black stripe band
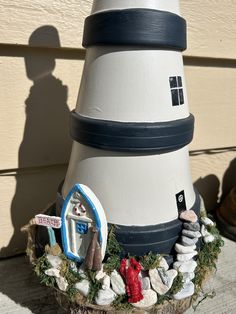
[(131, 136), (136, 27)]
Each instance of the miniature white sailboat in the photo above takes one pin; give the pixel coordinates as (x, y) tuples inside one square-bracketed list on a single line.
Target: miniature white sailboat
[(81, 213)]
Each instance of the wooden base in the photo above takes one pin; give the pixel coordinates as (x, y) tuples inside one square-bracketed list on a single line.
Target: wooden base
[(80, 306)]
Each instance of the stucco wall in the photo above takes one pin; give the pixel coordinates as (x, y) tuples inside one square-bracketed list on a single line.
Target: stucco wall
[(41, 61)]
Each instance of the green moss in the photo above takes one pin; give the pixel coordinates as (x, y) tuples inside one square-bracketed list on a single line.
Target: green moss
[(66, 272), (71, 291), (41, 265), (177, 284), (150, 261), (207, 258), (112, 263), (95, 285), (113, 252), (121, 303), (113, 246)]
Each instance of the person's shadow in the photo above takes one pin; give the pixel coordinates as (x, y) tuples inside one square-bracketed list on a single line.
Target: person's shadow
[(46, 139)]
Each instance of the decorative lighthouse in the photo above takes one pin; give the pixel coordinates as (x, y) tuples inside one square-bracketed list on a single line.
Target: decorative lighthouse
[(131, 125), (133, 231)]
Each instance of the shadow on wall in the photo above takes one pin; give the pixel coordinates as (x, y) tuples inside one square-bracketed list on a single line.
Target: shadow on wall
[(211, 191), (46, 131), (229, 179)]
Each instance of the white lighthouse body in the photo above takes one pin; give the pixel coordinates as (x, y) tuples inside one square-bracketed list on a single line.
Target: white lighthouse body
[(131, 125)]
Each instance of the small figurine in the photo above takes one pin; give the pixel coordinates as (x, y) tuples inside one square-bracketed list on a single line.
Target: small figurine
[(130, 269)]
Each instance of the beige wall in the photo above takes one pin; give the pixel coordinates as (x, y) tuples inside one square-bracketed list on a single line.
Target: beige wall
[(41, 61)]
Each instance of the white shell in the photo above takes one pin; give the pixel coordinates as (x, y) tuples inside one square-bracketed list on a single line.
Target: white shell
[(54, 272), (54, 261), (156, 282), (204, 231), (83, 287), (105, 297), (149, 299), (62, 283), (106, 282), (209, 238), (117, 283)]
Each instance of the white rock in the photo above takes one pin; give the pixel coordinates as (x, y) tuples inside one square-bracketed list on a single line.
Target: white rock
[(171, 274), (204, 231), (62, 283), (186, 257), (106, 282), (117, 283), (83, 287), (187, 277), (100, 274), (207, 221), (55, 261), (156, 282), (105, 297), (185, 292), (163, 274), (145, 281), (209, 238), (184, 249), (191, 234), (163, 263), (53, 272), (185, 267), (149, 299)]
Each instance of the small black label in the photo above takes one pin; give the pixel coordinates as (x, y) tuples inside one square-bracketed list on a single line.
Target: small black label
[(180, 201)]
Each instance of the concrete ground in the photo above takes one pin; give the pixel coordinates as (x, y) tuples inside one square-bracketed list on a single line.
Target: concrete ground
[(21, 293)]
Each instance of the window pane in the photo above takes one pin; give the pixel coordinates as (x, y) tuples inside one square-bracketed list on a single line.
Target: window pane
[(175, 98), (181, 96), (173, 81), (180, 81)]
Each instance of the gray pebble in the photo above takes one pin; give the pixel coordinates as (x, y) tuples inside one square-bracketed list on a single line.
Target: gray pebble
[(193, 226), (191, 234), (145, 281), (188, 241)]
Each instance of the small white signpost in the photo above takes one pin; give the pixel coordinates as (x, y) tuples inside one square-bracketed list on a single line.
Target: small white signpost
[(48, 221)]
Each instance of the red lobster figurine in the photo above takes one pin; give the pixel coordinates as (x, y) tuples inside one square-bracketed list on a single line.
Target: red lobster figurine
[(129, 269)]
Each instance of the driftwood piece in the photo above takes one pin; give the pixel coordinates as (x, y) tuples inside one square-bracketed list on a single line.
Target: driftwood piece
[(93, 259)]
